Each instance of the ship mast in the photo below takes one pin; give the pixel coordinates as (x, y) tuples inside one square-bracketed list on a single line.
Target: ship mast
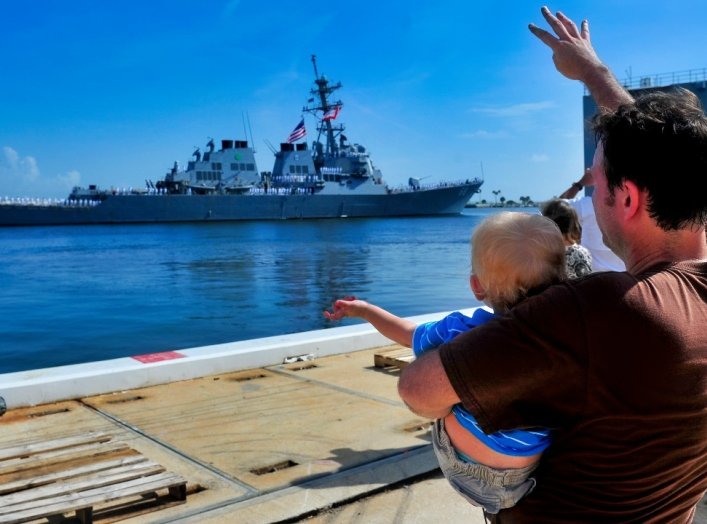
[(323, 91)]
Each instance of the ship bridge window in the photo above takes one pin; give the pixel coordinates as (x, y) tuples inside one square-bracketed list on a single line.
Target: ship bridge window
[(305, 170), (208, 175), (242, 167), (251, 167), (292, 169), (216, 166), (234, 166)]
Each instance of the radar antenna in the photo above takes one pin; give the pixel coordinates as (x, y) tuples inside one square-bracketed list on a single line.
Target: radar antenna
[(329, 111)]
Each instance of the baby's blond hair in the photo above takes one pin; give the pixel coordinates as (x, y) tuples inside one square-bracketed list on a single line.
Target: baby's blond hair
[(512, 253)]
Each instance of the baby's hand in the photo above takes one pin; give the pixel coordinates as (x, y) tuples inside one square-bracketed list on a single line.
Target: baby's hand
[(341, 308)]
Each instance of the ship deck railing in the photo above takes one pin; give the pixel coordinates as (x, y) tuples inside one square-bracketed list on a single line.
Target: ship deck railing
[(687, 76), (438, 185)]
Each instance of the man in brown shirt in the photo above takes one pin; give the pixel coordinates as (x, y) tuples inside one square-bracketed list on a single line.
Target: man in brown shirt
[(616, 363)]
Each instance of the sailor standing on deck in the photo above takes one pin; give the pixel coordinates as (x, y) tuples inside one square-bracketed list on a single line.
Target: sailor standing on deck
[(615, 362)]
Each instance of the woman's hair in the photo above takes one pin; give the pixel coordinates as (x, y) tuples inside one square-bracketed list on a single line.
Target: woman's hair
[(565, 216), (513, 253)]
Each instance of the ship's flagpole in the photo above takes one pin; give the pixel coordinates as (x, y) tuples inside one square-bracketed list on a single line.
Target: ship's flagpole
[(252, 140)]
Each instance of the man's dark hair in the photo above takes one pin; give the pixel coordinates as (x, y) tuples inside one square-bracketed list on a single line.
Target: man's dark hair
[(660, 144)]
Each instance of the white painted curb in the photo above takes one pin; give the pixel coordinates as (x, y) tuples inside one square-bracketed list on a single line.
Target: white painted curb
[(41, 386)]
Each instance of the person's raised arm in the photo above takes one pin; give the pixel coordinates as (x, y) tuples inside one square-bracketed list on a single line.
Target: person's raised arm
[(587, 180), (395, 328), (576, 59), (425, 388)]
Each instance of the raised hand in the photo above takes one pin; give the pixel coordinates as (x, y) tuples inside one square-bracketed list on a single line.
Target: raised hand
[(572, 50), (575, 58)]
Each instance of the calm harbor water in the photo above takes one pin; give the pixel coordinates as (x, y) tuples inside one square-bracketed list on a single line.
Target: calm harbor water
[(83, 293)]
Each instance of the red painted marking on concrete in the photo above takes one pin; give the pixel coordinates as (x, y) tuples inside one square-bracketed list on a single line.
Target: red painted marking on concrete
[(158, 357)]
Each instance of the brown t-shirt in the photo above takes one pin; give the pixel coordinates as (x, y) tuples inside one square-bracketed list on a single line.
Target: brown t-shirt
[(617, 366)]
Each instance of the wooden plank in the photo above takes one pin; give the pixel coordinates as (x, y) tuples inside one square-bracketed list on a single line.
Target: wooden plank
[(88, 499), (23, 468), (398, 357), (114, 475), (36, 481), (27, 450)]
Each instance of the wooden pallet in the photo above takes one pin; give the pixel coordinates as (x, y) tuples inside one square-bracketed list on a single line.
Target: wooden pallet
[(75, 474), (398, 357)]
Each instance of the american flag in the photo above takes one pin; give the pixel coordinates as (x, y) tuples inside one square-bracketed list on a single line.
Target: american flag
[(332, 113), (298, 132)]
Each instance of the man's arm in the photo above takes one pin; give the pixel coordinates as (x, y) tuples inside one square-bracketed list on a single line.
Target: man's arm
[(425, 388), (576, 59), (587, 180)]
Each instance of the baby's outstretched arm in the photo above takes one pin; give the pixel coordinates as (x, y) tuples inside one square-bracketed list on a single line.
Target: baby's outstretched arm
[(395, 328)]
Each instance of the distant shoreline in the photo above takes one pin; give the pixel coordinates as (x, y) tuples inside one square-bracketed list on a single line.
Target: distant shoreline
[(508, 205)]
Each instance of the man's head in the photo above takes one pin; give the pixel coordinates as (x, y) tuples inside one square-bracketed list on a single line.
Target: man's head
[(659, 143), (512, 253)]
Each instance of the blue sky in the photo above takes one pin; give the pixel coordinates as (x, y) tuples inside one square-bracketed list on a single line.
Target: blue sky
[(112, 93)]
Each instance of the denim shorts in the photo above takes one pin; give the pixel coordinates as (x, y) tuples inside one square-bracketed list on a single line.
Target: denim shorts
[(483, 486)]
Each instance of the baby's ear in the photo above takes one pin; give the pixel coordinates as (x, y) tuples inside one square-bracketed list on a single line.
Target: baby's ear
[(476, 288)]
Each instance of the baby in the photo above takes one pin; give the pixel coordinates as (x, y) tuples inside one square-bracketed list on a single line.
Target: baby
[(512, 255)]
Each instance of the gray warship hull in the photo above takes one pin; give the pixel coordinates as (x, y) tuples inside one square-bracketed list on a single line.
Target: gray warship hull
[(332, 179), (133, 209)]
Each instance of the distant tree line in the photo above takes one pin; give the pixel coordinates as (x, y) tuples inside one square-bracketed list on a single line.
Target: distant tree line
[(500, 201)]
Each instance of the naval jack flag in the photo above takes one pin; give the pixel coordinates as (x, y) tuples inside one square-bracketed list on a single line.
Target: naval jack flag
[(298, 132)]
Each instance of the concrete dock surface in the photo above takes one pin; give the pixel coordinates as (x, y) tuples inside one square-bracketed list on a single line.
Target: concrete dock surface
[(317, 441)]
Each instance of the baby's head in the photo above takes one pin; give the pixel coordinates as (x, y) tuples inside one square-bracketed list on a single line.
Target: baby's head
[(512, 253)]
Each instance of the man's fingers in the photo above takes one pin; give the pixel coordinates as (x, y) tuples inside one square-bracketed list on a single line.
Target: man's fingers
[(556, 25), (585, 31), (568, 24), (543, 35)]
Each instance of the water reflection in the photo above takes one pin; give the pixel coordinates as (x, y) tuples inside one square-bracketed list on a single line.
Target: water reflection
[(73, 294)]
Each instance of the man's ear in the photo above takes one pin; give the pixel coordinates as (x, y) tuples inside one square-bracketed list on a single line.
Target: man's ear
[(476, 288), (630, 199)]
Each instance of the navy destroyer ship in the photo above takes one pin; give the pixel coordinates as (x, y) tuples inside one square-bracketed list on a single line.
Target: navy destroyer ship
[(333, 178)]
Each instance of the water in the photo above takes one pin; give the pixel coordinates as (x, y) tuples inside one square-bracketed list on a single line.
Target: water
[(83, 293)]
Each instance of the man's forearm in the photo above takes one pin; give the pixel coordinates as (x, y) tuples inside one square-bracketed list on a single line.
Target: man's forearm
[(605, 89), (572, 191)]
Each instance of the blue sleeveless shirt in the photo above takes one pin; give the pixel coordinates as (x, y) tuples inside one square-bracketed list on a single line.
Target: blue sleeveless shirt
[(516, 442)]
